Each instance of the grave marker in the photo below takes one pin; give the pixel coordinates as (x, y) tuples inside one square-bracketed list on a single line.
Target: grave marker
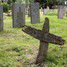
[(45, 38), (35, 16), (45, 11), (1, 18), (18, 15), (66, 10), (27, 10), (61, 11)]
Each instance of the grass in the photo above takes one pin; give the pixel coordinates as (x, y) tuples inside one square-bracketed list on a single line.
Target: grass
[(17, 49)]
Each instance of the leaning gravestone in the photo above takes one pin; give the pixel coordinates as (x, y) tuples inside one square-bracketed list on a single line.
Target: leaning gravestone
[(61, 11), (1, 18), (34, 13), (45, 37), (18, 15)]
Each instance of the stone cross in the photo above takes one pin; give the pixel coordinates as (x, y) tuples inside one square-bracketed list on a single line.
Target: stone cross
[(45, 38), (18, 15), (34, 13), (1, 18)]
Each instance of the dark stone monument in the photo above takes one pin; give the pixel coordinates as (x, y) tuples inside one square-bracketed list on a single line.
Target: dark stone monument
[(66, 10), (45, 38), (1, 18), (34, 13), (18, 15)]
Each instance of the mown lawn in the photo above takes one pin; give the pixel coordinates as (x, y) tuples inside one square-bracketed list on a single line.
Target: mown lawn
[(17, 49)]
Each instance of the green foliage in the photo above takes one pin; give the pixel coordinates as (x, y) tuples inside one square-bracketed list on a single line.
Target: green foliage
[(5, 7), (13, 0), (25, 1), (9, 1), (55, 2)]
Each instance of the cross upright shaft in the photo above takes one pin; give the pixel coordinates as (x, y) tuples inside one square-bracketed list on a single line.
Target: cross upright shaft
[(43, 44)]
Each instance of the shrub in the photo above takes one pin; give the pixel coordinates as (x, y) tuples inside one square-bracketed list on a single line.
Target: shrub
[(5, 7)]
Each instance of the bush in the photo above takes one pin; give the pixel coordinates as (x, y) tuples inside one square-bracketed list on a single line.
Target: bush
[(5, 7)]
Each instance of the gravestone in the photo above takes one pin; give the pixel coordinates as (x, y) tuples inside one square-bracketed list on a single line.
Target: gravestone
[(27, 9), (45, 38), (18, 15), (34, 13), (66, 10), (1, 18), (45, 11), (61, 11)]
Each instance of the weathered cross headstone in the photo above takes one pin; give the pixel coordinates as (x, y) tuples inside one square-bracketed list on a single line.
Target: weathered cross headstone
[(61, 11), (45, 38), (1, 18), (34, 12), (18, 15)]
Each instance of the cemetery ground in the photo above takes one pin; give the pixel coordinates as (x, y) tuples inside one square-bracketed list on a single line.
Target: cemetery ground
[(17, 49)]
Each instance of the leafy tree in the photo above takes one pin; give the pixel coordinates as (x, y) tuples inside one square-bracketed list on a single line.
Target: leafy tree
[(13, 0)]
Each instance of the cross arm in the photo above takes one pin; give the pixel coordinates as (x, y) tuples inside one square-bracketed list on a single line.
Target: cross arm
[(50, 38), (32, 31)]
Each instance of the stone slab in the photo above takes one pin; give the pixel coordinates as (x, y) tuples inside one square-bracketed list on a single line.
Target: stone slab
[(1, 18), (35, 16), (61, 12), (45, 11), (17, 19)]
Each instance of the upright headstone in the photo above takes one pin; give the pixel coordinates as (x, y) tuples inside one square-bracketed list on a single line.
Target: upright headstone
[(14, 14), (61, 12), (66, 10), (27, 9), (65, 4), (18, 15), (35, 16), (1, 18), (21, 16), (45, 11)]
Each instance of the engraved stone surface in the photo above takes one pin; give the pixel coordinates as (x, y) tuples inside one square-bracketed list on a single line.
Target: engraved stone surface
[(1, 18), (18, 15), (35, 16)]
